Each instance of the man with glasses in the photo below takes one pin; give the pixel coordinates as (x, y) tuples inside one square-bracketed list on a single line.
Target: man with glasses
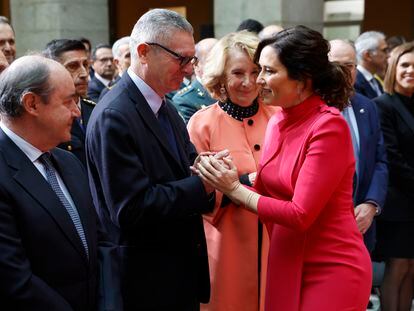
[(139, 157), (104, 68), (372, 54)]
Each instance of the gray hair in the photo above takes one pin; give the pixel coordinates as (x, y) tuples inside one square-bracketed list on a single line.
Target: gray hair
[(367, 41), (158, 26), (118, 43), (26, 74)]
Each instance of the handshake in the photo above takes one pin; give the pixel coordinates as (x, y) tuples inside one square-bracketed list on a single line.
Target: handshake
[(216, 170)]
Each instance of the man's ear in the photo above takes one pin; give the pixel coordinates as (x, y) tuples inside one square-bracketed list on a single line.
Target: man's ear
[(367, 55), (142, 52), (31, 103)]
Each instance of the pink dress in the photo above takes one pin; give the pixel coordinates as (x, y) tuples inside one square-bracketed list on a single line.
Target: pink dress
[(232, 231), (317, 258)]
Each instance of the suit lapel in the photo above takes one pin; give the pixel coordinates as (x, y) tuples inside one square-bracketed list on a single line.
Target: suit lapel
[(150, 119), (363, 127), (366, 85), (30, 179)]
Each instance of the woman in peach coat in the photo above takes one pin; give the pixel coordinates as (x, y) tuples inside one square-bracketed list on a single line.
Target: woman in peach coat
[(236, 242)]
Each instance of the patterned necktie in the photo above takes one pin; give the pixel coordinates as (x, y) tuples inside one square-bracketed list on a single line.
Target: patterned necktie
[(167, 128), (45, 159)]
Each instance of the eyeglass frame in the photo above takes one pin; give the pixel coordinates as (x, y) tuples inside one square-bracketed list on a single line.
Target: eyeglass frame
[(184, 60)]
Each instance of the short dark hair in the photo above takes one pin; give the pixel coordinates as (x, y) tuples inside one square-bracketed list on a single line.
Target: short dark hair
[(304, 53), (87, 41), (100, 46), (251, 25), (26, 74), (55, 48)]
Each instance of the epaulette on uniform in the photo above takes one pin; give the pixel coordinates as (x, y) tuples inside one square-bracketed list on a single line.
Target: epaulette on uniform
[(88, 101), (184, 90)]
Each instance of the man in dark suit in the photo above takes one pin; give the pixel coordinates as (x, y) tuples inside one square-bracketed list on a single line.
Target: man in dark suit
[(194, 97), (48, 228), (139, 154), (371, 176), (372, 54), (73, 55), (104, 68)]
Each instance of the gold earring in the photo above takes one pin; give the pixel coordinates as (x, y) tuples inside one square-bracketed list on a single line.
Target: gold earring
[(223, 94)]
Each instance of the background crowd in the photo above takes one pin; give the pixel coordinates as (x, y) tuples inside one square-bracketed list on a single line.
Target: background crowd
[(264, 170)]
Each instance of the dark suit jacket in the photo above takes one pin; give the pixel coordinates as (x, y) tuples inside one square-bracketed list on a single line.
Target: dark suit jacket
[(76, 145), (147, 200), (95, 88), (373, 171), (363, 87), (397, 124), (43, 265)]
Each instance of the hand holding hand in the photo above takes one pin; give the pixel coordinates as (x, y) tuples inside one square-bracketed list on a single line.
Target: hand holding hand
[(218, 155), (223, 177)]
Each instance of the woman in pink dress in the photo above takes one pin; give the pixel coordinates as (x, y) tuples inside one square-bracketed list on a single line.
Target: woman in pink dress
[(303, 189)]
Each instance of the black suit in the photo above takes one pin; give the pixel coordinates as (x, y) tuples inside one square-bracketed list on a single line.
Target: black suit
[(397, 123), (147, 201), (95, 88), (363, 87), (76, 145), (43, 264)]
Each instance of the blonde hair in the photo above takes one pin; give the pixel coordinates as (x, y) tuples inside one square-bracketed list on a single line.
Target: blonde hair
[(215, 65), (390, 76)]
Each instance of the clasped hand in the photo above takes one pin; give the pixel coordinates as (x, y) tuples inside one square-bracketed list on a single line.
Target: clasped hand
[(218, 171)]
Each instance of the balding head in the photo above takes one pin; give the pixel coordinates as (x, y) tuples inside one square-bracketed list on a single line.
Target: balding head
[(38, 101), (269, 31), (202, 49), (343, 52)]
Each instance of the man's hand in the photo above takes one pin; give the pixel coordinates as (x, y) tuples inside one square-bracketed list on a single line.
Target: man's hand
[(364, 214)]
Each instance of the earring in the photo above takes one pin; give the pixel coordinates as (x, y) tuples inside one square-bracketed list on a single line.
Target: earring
[(223, 94)]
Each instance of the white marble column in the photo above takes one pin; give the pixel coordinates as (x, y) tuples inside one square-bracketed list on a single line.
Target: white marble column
[(36, 22), (229, 13)]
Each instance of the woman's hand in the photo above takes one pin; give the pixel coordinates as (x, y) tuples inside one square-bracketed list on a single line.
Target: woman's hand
[(221, 174), (218, 155)]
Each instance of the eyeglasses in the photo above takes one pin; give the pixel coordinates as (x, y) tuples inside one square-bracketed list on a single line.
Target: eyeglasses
[(184, 60)]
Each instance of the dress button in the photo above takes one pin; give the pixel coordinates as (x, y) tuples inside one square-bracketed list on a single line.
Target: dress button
[(250, 122), (257, 147)]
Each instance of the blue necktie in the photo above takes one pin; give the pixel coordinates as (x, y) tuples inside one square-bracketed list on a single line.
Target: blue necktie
[(45, 159), (166, 126)]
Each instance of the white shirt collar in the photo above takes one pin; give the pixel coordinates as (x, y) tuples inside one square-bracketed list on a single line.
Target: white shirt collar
[(28, 149), (152, 98), (367, 75), (103, 80)]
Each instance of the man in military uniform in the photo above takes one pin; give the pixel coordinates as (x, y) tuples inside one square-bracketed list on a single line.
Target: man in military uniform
[(194, 97), (73, 55)]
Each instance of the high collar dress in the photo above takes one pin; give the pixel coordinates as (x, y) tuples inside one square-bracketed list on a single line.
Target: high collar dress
[(317, 258)]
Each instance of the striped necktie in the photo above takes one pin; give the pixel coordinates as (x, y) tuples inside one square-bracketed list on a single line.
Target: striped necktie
[(45, 159)]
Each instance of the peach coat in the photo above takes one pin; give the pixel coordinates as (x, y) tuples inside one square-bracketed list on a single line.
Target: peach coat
[(231, 231)]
